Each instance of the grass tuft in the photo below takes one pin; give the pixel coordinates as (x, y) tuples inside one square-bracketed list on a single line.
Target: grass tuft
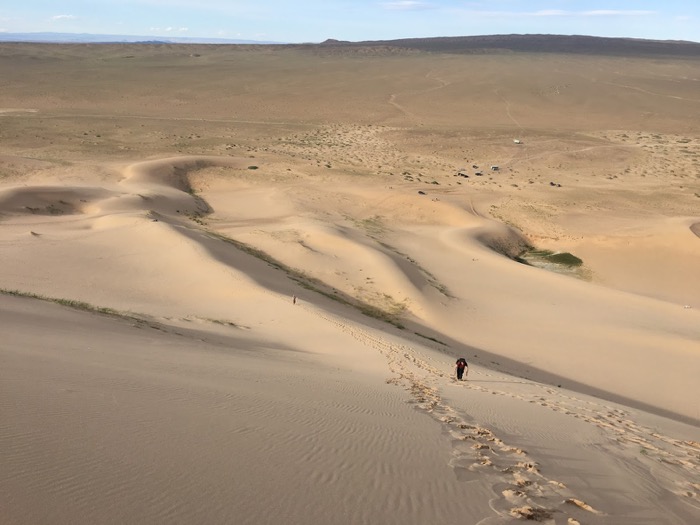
[(71, 303), (314, 285)]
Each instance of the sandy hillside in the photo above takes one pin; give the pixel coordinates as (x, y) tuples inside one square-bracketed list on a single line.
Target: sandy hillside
[(236, 280)]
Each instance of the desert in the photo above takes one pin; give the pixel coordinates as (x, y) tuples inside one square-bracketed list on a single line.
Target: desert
[(236, 278)]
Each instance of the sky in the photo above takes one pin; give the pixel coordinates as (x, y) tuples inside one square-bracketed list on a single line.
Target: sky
[(296, 21)]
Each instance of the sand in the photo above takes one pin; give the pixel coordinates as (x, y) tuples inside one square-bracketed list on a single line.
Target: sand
[(236, 280)]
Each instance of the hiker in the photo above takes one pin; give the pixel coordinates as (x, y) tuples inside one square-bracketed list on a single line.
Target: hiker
[(461, 367)]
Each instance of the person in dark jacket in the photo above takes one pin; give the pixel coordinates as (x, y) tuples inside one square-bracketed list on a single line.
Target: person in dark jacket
[(461, 366)]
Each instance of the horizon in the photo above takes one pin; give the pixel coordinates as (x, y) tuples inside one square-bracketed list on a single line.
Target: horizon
[(276, 21), (101, 38)]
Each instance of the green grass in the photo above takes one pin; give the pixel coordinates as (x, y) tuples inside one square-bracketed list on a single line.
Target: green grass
[(563, 258), (430, 339), (222, 322), (374, 226), (139, 319), (559, 262), (392, 317), (432, 280), (314, 285), (71, 303)]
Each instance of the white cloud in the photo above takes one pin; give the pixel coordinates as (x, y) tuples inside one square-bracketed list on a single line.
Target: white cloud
[(613, 12), (406, 5), (561, 13), (169, 29), (64, 17), (549, 12)]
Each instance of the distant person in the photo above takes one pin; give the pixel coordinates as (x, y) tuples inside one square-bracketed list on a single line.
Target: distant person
[(294, 299), (461, 366)]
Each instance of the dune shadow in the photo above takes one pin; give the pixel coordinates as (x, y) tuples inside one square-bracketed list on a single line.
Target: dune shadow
[(695, 228), (489, 381), (237, 254)]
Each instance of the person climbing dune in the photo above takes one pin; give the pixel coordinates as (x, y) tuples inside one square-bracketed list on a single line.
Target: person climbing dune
[(461, 367)]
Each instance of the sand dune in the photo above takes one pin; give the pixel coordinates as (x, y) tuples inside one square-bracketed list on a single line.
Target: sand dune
[(156, 369)]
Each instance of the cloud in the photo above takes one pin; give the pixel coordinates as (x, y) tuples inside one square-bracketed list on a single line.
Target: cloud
[(406, 5), (596, 12), (613, 12), (169, 29), (548, 12), (561, 13), (64, 17)]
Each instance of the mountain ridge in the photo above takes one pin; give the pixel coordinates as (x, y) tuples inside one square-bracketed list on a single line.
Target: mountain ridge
[(528, 43), (542, 43)]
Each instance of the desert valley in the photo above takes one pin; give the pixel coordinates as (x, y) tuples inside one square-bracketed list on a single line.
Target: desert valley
[(235, 281)]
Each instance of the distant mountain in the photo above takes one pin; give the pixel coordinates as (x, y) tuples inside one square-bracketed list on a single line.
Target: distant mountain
[(85, 38), (573, 44), (577, 44)]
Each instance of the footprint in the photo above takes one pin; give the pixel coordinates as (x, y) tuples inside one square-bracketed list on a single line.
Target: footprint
[(513, 495), (581, 505), (531, 513)]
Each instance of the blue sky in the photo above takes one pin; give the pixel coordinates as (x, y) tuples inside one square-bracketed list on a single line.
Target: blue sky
[(355, 20)]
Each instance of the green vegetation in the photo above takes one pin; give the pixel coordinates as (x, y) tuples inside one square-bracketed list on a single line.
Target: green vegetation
[(78, 305), (432, 280), (430, 339), (222, 322), (374, 226), (196, 217), (559, 262), (378, 313), (563, 258), (139, 319), (313, 284)]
